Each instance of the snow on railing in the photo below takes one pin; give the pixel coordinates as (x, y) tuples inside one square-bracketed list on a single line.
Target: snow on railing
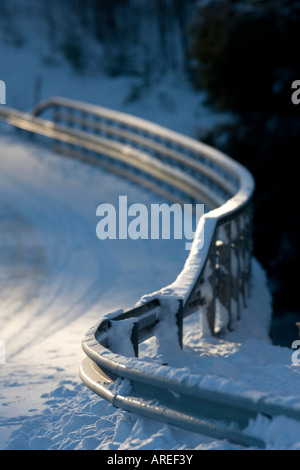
[(216, 277)]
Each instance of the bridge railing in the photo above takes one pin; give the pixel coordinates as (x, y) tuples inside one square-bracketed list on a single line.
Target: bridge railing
[(216, 277), (217, 273), (214, 180)]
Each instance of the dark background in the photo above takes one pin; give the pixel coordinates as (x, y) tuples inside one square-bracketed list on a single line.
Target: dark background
[(246, 58)]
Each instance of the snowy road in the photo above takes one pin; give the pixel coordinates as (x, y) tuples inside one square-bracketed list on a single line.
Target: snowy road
[(57, 279), (54, 270), (54, 266)]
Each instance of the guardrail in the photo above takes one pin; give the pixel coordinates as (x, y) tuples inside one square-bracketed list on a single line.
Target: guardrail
[(181, 169), (216, 277)]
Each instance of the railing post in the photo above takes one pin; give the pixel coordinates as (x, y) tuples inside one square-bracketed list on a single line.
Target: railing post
[(243, 256), (135, 338), (247, 242), (250, 245), (70, 112), (225, 275), (56, 119), (212, 279), (179, 322), (235, 268), (56, 114), (84, 120)]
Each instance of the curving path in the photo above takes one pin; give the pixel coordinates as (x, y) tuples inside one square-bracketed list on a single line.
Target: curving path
[(53, 267)]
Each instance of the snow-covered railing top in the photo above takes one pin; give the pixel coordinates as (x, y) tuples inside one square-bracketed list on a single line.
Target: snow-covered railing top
[(216, 276)]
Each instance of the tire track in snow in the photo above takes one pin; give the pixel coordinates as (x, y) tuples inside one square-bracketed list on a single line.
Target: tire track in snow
[(51, 201)]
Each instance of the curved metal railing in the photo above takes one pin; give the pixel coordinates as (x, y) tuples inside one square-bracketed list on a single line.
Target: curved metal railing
[(216, 277), (183, 170)]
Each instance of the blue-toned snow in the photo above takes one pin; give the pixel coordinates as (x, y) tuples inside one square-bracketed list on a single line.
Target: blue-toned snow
[(57, 279)]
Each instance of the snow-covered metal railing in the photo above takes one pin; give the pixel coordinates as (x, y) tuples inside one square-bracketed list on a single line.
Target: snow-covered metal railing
[(218, 274), (216, 277)]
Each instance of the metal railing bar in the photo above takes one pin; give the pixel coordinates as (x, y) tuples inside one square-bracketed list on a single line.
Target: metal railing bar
[(213, 155), (118, 151), (212, 175), (192, 171)]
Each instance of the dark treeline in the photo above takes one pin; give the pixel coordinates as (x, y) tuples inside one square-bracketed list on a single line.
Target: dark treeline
[(246, 60), (119, 36)]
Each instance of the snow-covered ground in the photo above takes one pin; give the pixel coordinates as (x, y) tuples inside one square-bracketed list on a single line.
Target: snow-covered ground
[(58, 279)]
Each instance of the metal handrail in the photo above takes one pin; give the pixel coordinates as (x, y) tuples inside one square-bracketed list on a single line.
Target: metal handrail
[(219, 169), (133, 125), (218, 267)]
